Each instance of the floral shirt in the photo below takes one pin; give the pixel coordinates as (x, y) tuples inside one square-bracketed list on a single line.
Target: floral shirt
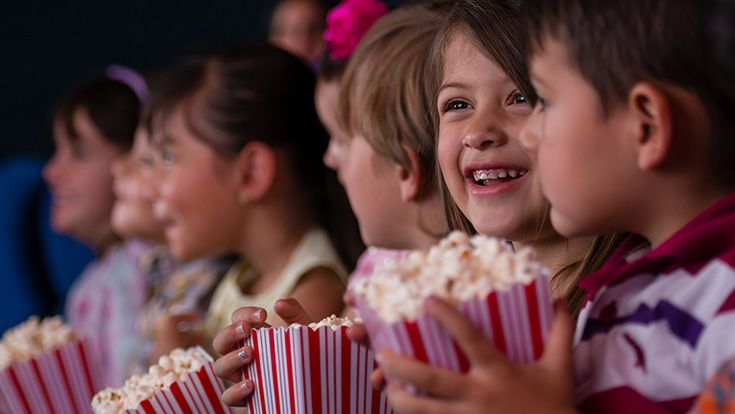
[(103, 305)]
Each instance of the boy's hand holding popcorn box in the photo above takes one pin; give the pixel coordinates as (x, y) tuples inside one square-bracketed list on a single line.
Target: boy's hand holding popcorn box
[(503, 293), (46, 368)]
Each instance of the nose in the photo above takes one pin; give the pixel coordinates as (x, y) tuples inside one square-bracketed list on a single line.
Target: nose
[(530, 133), (485, 130), (330, 160), (118, 166), (51, 170)]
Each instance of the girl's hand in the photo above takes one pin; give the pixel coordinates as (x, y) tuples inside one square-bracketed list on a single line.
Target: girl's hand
[(493, 384), (226, 343)]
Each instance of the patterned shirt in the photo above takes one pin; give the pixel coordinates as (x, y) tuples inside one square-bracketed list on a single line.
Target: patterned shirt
[(103, 305), (660, 322)]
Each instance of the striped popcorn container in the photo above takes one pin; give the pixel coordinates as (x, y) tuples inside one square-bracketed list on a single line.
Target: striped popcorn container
[(60, 381), (199, 393), (516, 320), (300, 370)]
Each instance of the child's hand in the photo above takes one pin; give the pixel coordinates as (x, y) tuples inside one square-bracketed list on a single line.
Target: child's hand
[(493, 384), (226, 343)]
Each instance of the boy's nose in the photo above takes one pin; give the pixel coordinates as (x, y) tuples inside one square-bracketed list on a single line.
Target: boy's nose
[(529, 135)]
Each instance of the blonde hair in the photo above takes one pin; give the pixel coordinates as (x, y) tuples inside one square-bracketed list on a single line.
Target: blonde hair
[(383, 96)]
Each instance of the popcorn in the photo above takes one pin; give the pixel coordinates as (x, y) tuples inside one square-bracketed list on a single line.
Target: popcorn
[(175, 366), (458, 269), (333, 321), (33, 338)]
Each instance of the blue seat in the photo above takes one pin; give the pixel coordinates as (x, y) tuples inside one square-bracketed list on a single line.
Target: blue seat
[(38, 266)]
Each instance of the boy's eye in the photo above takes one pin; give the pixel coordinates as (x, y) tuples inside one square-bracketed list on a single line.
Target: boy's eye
[(456, 105)]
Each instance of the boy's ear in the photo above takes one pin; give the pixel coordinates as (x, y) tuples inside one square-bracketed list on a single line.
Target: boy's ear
[(652, 112), (255, 169), (410, 178)]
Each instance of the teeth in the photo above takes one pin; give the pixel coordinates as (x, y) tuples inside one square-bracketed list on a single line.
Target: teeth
[(480, 175)]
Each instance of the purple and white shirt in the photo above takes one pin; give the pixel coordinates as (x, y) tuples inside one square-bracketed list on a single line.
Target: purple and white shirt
[(659, 323)]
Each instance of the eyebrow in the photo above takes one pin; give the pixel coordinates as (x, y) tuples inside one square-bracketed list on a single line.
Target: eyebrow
[(457, 85)]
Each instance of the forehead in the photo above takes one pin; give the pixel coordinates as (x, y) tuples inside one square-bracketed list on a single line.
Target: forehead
[(548, 58), (466, 63)]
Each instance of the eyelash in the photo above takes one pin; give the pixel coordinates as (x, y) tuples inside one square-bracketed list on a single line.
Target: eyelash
[(452, 105), (514, 98)]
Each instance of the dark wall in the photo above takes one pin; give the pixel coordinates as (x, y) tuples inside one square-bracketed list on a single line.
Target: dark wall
[(48, 47)]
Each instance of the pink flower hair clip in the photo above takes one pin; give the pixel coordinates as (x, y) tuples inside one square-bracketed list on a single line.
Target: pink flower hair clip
[(347, 24)]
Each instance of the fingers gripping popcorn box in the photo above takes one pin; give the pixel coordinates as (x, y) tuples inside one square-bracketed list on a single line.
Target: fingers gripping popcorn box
[(182, 382), (314, 369), (503, 293), (46, 368)]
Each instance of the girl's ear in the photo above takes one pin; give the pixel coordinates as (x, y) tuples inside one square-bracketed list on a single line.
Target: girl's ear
[(652, 116), (410, 178), (255, 169)]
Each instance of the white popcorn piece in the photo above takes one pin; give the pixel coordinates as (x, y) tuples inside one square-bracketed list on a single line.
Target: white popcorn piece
[(333, 321), (170, 368), (459, 268), (33, 338)]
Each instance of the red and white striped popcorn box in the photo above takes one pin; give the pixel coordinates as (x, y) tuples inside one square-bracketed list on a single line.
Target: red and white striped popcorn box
[(199, 393), (60, 381), (516, 320), (300, 370)]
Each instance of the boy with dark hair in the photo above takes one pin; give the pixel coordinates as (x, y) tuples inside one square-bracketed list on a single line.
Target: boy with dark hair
[(632, 134)]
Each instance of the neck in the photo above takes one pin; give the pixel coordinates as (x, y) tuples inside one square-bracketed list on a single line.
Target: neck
[(102, 242), (270, 237), (657, 227), (557, 252), (429, 224)]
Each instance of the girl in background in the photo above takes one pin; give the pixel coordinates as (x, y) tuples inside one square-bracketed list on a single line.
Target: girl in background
[(241, 149), (92, 127)]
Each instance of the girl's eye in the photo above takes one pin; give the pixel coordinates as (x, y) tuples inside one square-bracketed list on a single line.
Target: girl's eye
[(146, 162), (518, 99), (456, 105), (167, 158)]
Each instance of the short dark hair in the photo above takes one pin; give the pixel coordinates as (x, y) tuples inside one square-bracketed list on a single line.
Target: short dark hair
[(616, 44), (113, 108)]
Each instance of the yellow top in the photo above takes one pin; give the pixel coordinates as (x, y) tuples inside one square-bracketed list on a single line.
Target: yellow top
[(314, 250)]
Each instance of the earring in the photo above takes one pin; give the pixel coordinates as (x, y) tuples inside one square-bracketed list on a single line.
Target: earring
[(243, 200)]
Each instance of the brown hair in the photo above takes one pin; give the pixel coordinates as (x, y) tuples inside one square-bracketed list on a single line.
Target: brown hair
[(616, 44), (494, 28), (382, 96), (113, 108), (255, 92)]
